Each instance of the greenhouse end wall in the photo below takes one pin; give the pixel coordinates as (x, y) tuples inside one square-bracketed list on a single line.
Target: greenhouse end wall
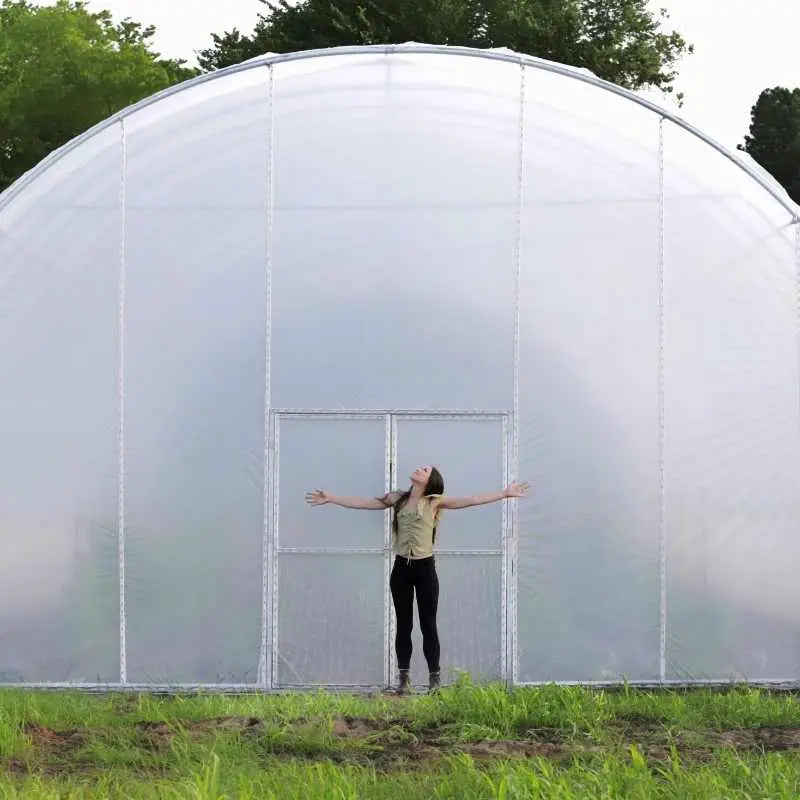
[(327, 268)]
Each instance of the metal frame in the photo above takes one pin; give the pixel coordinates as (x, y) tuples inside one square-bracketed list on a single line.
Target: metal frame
[(789, 685), (390, 420)]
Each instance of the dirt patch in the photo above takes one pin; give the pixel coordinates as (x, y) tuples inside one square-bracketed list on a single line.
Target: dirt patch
[(515, 748), (639, 722), (225, 724), (700, 745), (14, 766), (399, 740), (767, 739), (392, 730), (49, 739), (547, 735), (158, 736), (155, 737), (383, 744), (359, 727)]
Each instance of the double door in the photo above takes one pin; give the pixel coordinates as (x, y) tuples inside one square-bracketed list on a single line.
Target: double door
[(331, 619)]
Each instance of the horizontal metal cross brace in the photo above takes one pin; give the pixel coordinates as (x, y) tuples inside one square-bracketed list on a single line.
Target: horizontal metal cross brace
[(344, 551), (380, 413)]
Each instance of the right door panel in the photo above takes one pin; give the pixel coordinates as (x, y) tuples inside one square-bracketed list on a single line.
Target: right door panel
[(471, 454)]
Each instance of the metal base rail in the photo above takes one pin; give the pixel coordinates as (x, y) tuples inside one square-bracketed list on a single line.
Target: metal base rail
[(789, 686)]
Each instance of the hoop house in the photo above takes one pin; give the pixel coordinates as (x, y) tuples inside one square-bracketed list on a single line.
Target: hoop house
[(324, 268)]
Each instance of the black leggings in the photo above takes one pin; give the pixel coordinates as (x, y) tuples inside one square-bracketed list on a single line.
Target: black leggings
[(406, 576)]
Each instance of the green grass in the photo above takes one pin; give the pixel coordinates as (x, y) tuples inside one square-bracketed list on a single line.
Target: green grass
[(469, 742)]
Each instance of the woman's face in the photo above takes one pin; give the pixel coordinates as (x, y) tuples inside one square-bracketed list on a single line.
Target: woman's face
[(419, 477)]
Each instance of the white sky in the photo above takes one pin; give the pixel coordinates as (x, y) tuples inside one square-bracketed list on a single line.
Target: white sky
[(741, 48)]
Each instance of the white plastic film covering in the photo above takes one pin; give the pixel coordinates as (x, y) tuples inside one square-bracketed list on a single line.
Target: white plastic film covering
[(195, 382), (395, 201), (589, 561), (59, 268), (657, 370), (330, 620), (732, 472)]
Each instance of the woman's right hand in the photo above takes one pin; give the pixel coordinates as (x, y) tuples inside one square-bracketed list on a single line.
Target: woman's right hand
[(318, 497)]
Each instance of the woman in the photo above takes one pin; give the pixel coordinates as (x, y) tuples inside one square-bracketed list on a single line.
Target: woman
[(416, 516)]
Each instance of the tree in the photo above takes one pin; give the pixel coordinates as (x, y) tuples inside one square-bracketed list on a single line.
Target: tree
[(619, 40), (774, 139), (63, 69)]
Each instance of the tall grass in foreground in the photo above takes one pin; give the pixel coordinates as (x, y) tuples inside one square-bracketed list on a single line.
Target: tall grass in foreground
[(772, 777), (296, 752), (506, 712)]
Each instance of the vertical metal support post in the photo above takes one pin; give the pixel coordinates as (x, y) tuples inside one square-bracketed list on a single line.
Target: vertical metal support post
[(662, 415), (268, 557), (123, 257), (506, 581), (392, 443), (387, 557), (274, 555), (511, 543)]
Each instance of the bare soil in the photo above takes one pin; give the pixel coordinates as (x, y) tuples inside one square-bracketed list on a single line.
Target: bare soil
[(388, 744)]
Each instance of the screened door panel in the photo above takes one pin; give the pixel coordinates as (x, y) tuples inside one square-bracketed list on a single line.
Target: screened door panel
[(469, 620), (330, 620), (469, 453), (345, 456)]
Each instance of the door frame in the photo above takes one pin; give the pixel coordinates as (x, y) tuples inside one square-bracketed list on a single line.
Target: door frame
[(269, 659)]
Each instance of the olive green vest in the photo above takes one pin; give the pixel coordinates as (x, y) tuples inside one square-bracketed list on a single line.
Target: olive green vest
[(414, 537)]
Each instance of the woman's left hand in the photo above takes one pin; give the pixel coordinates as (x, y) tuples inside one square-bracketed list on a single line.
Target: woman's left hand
[(516, 489)]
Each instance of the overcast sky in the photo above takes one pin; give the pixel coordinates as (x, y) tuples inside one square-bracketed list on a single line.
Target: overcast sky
[(741, 47)]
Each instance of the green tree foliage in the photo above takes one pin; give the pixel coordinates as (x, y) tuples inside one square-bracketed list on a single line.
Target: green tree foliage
[(63, 69), (774, 139), (619, 40)]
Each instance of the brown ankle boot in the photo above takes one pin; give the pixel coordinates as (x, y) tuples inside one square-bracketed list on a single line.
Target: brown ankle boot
[(434, 682), (404, 687)]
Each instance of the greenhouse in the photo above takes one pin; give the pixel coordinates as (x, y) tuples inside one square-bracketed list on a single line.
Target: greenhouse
[(324, 269)]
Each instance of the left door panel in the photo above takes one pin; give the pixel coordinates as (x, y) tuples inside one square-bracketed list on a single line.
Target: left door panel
[(329, 605)]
